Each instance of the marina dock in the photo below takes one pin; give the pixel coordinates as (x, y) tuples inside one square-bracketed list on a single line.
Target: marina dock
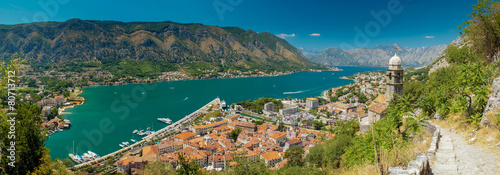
[(148, 138)]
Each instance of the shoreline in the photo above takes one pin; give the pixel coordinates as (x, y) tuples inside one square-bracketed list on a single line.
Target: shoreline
[(250, 76), (171, 127)]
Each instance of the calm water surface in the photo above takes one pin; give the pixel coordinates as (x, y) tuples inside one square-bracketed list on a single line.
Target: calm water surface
[(111, 113)]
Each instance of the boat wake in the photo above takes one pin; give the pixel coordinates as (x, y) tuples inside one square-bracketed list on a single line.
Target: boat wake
[(296, 92)]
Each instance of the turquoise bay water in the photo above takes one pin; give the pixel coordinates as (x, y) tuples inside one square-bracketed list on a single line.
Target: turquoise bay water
[(111, 113)]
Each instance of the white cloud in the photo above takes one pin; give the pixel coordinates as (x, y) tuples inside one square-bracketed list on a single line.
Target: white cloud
[(429, 37), (282, 35), (315, 34)]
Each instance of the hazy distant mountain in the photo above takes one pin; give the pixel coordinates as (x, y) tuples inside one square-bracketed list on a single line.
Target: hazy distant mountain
[(309, 53), (378, 56), (79, 41)]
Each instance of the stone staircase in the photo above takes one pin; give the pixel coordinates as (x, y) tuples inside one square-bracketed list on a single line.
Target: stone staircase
[(445, 158)]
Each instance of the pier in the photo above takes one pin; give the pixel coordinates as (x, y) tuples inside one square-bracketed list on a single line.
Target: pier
[(150, 137)]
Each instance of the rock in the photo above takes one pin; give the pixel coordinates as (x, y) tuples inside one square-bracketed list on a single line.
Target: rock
[(472, 139), (438, 65), (489, 139), (493, 102), (437, 116)]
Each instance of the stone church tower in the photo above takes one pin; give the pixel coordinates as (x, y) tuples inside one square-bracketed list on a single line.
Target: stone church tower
[(394, 78)]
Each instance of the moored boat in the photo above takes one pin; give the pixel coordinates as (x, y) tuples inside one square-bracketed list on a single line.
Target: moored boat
[(165, 120)]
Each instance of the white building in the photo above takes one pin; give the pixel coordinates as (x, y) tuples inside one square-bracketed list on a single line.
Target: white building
[(312, 103)]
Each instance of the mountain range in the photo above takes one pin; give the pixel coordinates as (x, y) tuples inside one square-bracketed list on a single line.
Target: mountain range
[(78, 41), (378, 56)]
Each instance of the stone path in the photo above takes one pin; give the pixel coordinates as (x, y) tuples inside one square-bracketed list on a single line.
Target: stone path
[(455, 156)]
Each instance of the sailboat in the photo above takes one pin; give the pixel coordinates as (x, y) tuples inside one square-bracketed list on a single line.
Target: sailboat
[(74, 157)]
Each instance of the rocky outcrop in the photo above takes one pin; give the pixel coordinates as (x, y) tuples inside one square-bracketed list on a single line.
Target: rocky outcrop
[(441, 61), (493, 104), (438, 65)]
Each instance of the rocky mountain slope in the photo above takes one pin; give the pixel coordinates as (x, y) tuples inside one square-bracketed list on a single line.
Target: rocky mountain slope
[(378, 56), (76, 41)]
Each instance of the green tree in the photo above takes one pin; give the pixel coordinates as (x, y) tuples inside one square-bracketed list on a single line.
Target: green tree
[(300, 170), (335, 148), (27, 137), (281, 127), (316, 155), (318, 124), (244, 166), (482, 28), (235, 133), (294, 156), (158, 168), (187, 167)]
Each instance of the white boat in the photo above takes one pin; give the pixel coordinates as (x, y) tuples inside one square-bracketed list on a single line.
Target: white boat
[(92, 155), (135, 131), (75, 158), (125, 143), (123, 146), (165, 120), (133, 140)]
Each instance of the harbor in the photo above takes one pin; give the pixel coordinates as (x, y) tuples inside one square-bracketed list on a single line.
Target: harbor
[(173, 127), (159, 101)]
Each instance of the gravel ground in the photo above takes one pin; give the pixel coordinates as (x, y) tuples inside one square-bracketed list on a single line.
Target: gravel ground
[(471, 159)]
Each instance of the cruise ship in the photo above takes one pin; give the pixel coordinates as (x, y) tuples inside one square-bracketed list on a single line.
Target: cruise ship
[(165, 120)]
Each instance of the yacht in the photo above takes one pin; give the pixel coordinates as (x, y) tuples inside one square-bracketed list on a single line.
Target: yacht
[(135, 131), (133, 140), (77, 159), (125, 143), (92, 154), (165, 120), (123, 146)]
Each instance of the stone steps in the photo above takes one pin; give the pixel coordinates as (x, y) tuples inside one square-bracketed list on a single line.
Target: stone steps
[(445, 162)]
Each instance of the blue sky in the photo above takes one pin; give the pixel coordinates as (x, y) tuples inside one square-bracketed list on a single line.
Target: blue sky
[(308, 24)]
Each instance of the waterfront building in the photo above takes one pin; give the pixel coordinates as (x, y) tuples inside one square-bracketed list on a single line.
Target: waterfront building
[(202, 130), (165, 147), (151, 151), (184, 136), (223, 104), (312, 103)]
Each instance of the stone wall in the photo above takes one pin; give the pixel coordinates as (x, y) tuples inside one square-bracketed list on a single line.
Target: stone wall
[(420, 166)]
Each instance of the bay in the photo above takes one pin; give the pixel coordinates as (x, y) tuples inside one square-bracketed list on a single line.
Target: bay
[(111, 113)]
